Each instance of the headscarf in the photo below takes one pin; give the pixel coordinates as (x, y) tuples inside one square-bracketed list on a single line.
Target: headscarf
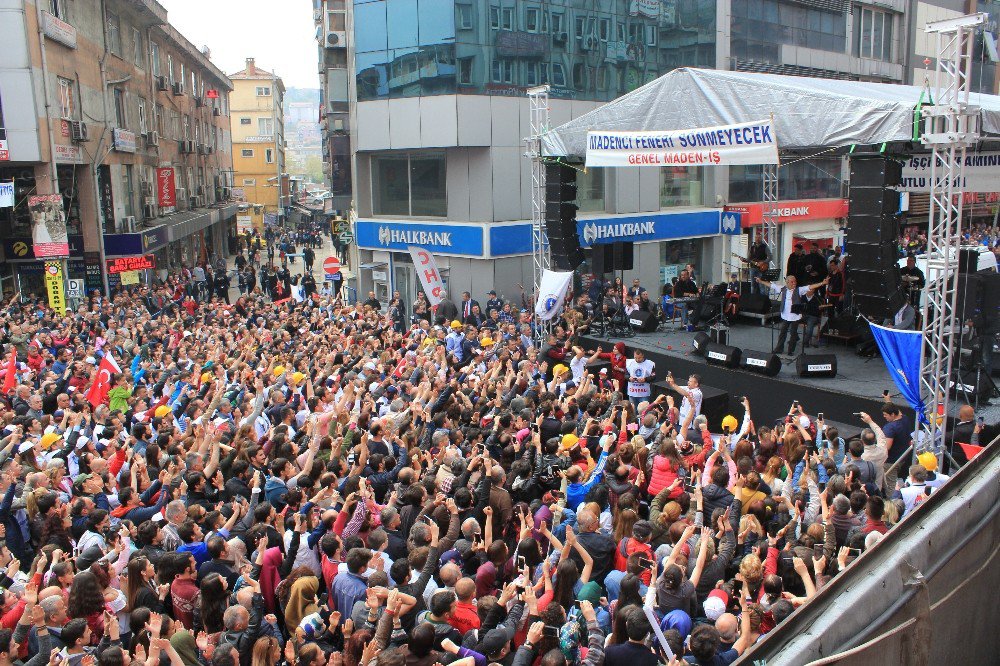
[(270, 576), (590, 592), (186, 647), (301, 600)]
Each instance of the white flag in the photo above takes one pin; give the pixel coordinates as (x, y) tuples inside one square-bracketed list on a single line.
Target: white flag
[(551, 294), (427, 270)]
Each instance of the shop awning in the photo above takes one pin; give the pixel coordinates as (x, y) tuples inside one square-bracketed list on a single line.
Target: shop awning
[(807, 112), (374, 264), (182, 225)]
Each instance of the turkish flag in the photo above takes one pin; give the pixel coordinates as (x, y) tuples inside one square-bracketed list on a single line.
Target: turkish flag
[(98, 393), (971, 450), (9, 381)]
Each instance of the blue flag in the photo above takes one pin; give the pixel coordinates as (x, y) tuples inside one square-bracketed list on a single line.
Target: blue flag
[(901, 353)]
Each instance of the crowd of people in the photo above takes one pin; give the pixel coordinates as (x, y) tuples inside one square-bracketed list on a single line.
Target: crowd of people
[(306, 482)]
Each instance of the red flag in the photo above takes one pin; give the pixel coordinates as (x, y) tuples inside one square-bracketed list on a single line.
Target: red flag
[(9, 381), (98, 393), (971, 450)]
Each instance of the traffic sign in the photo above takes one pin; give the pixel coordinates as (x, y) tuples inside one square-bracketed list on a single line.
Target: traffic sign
[(346, 237), (331, 265)]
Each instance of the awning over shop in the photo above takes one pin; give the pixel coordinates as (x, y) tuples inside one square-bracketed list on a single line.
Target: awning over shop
[(807, 112), (181, 225)]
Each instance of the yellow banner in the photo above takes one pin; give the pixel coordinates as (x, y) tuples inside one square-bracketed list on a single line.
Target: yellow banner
[(130, 277), (55, 286)]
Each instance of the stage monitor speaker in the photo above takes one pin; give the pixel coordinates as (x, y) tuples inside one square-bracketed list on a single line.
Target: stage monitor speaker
[(642, 321), (624, 256), (878, 307), (755, 303), (970, 384), (968, 260), (883, 229), (601, 259), (816, 365), (700, 341), (726, 355), (719, 334), (874, 170), (970, 298), (764, 363), (863, 254)]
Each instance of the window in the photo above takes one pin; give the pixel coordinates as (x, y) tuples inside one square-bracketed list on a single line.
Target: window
[(137, 57), (114, 34), (187, 128), (464, 16), (507, 18), (465, 71), (579, 76), (503, 71), (872, 34), (531, 19), (650, 35), (194, 84), (558, 75), (269, 155), (250, 181), (141, 105), (128, 188), (160, 120), (578, 26), (65, 98), (494, 18), (57, 9), (154, 58), (336, 21), (604, 29), (245, 121), (558, 23), (120, 112), (246, 152), (590, 190), (263, 91), (170, 68), (265, 126), (680, 186), (409, 184)]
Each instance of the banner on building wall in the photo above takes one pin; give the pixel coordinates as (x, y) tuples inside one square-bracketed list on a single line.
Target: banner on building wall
[(54, 286), (745, 143), (650, 8), (166, 191), (48, 226), (427, 270), (981, 173), (7, 195)]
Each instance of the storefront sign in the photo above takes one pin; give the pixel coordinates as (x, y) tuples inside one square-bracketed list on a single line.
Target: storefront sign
[(982, 173), (20, 248), (745, 143), (450, 239), (75, 288), (124, 140), (155, 238), (129, 277), (48, 226), (648, 227), (124, 264), (427, 271), (58, 30), (92, 276), (166, 192), (67, 154), (107, 198), (54, 286), (792, 211), (4, 151), (7, 195), (244, 224)]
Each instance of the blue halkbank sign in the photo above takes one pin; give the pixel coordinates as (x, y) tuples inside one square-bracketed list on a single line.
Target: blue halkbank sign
[(656, 226), (456, 239)]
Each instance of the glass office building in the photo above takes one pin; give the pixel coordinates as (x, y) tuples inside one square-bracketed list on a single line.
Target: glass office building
[(585, 49)]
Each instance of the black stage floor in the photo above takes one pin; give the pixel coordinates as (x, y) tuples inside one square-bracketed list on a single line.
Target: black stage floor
[(857, 387)]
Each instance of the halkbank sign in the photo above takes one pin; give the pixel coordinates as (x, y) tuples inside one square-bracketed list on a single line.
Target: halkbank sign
[(655, 227)]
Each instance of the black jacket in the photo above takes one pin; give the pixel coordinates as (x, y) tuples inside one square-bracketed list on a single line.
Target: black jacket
[(244, 640)]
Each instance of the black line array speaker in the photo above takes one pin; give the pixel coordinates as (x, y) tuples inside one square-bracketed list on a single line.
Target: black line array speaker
[(600, 259), (560, 216), (968, 260), (872, 233), (623, 256), (764, 363), (726, 355), (816, 365)]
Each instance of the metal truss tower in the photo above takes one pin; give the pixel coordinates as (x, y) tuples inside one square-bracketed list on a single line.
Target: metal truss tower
[(538, 119)]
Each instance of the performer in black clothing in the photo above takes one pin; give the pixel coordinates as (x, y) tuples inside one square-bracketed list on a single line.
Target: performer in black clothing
[(685, 287), (813, 266), (759, 259), (913, 280), (793, 267)]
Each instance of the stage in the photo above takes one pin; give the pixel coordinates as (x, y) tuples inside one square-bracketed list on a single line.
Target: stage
[(857, 387)]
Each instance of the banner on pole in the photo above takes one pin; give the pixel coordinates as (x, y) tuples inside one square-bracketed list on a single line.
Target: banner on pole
[(552, 293), (54, 286), (745, 143), (7, 195), (48, 226), (427, 270), (166, 192), (901, 353)]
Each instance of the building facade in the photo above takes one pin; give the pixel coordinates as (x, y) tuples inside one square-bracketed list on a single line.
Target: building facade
[(438, 119), (258, 129), (335, 37), (108, 106)]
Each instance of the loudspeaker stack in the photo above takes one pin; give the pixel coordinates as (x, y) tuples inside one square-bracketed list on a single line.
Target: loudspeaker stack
[(560, 216)]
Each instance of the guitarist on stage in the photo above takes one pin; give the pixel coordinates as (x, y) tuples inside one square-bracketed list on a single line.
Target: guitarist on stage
[(759, 259)]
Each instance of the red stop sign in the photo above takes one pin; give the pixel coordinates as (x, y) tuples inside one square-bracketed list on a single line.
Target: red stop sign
[(331, 265)]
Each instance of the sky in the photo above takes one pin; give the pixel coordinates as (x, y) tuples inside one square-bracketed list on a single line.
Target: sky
[(279, 33)]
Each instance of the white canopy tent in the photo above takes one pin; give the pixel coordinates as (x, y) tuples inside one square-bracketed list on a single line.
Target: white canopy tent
[(808, 113)]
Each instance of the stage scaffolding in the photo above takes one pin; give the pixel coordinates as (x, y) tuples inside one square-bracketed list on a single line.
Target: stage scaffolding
[(538, 119)]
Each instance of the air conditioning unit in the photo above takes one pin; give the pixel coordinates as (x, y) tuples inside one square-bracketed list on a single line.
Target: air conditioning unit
[(317, 15), (153, 138), (148, 201), (589, 43), (199, 102), (78, 130), (147, 189), (209, 150), (178, 88), (161, 84), (336, 38), (227, 193), (127, 224), (560, 37), (200, 148), (148, 212), (338, 124), (217, 112), (201, 191)]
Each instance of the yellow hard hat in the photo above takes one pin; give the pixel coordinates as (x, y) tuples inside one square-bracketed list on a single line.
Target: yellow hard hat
[(487, 342), (279, 370), (49, 439), (559, 369), (456, 324), (928, 460), (161, 411), (297, 377), (730, 422), (206, 377), (569, 440)]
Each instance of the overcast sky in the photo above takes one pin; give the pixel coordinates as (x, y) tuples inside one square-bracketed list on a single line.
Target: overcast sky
[(278, 33)]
